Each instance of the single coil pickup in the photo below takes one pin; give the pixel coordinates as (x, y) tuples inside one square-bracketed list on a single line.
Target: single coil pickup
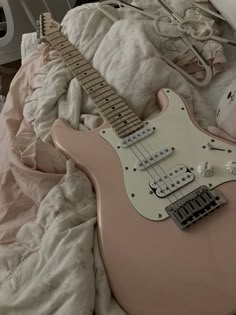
[(136, 136), (153, 158), (195, 206)]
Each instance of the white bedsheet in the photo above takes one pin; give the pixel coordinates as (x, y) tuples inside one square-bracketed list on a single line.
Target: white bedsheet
[(55, 266), (126, 54)]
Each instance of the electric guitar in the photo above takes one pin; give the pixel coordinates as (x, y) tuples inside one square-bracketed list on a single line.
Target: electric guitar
[(166, 198)]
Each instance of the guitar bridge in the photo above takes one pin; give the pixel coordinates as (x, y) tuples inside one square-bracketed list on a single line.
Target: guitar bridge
[(196, 205)]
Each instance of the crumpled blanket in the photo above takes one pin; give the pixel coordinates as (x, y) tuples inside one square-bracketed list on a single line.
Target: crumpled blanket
[(51, 264), (125, 53), (47, 205), (2, 102), (174, 48), (26, 175)]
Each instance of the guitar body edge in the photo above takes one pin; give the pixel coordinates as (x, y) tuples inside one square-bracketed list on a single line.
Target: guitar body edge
[(154, 267)]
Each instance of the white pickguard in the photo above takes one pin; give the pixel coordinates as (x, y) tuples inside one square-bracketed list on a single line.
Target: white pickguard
[(174, 129)]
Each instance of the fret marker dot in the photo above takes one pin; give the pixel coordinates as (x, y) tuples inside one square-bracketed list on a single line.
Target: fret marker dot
[(85, 73), (107, 99)]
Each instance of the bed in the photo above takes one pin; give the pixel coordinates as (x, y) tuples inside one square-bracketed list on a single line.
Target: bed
[(49, 255)]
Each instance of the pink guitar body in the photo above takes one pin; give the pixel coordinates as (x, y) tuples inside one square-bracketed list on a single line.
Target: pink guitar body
[(154, 267)]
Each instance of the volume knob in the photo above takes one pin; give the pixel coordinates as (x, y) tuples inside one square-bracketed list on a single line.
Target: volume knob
[(231, 167), (205, 169)]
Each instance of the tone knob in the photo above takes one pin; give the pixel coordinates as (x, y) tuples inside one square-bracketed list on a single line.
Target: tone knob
[(231, 167), (205, 169)]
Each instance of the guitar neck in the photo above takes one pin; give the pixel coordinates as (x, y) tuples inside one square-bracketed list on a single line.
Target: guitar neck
[(110, 105)]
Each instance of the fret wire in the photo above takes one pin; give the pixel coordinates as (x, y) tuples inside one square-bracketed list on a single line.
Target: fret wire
[(117, 122), (127, 132), (91, 84), (59, 46), (71, 55), (112, 103), (121, 104), (118, 111), (124, 133), (134, 124), (108, 103), (59, 41), (81, 69), (86, 74), (85, 67), (109, 106), (72, 61), (101, 91), (52, 35), (105, 96), (103, 102), (79, 64), (74, 64), (67, 50), (98, 86), (120, 120), (86, 80)]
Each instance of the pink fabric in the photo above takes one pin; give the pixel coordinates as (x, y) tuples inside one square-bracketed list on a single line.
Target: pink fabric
[(189, 63), (29, 168), (221, 133)]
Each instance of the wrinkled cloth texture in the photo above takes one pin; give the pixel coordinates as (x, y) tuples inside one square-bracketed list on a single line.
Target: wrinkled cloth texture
[(47, 205), (174, 48), (25, 175), (2, 102), (125, 53)]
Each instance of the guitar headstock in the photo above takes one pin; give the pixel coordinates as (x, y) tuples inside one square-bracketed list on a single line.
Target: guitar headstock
[(46, 26)]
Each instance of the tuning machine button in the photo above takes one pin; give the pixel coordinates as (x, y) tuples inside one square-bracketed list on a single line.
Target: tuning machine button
[(231, 167), (205, 169)]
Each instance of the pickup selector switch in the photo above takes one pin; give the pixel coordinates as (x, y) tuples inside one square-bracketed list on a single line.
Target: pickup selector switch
[(205, 169)]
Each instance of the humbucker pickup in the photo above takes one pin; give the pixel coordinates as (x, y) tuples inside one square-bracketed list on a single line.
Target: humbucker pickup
[(195, 206), (175, 178)]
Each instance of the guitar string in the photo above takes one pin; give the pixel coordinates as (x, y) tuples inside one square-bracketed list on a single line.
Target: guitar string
[(161, 179), (155, 180), (186, 188), (73, 58), (151, 166), (179, 190)]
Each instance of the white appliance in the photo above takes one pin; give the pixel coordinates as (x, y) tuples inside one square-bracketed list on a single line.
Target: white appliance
[(16, 23), (20, 17), (228, 9)]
